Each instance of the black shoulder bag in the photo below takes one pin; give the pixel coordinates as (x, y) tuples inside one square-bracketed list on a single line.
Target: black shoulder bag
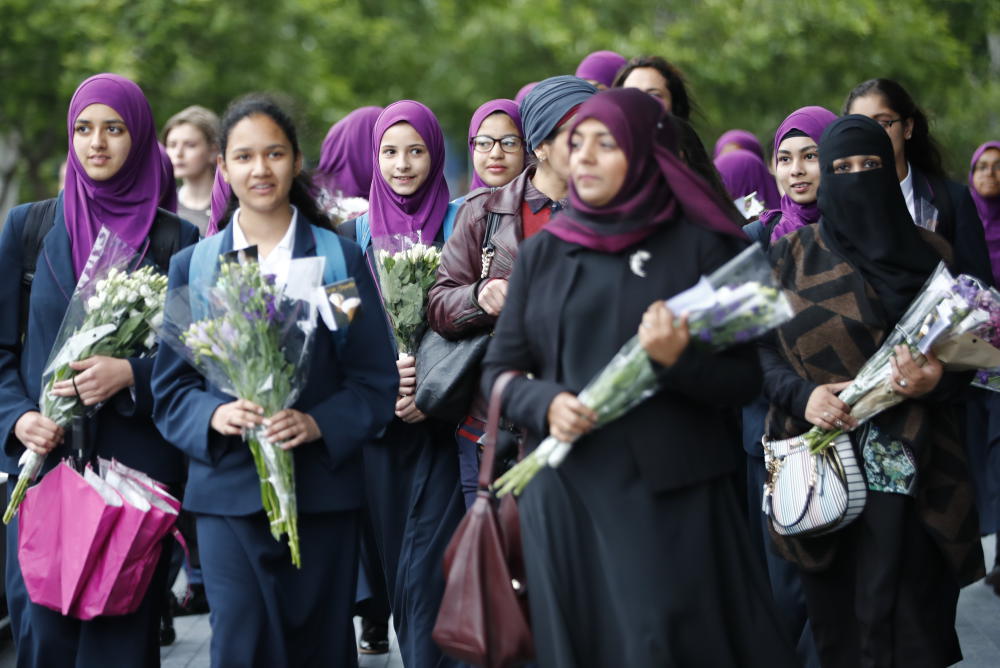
[(448, 371)]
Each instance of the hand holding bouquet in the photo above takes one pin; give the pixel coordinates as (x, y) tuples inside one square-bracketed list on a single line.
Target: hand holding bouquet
[(951, 316), (252, 339), (112, 312), (406, 271), (736, 304)]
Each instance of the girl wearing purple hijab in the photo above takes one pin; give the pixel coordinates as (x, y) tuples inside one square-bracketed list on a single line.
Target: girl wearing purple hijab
[(744, 174), (411, 472), (114, 179), (796, 162), (984, 186), (796, 168), (344, 173), (635, 531), (600, 67), (496, 144), (733, 140)]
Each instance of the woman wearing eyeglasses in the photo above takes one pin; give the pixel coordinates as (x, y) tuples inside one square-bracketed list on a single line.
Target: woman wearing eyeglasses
[(496, 144), (934, 202), (462, 303)]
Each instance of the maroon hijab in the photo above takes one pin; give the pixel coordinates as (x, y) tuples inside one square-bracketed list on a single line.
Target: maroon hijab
[(658, 186), (126, 203)]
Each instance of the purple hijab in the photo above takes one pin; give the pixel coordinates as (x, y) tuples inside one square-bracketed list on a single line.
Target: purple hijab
[(743, 173), (989, 212), (812, 121), (221, 194), (168, 200), (658, 185), (523, 93), (601, 66), (126, 203), (424, 211), (504, 106), (345, 163), (742, 138)]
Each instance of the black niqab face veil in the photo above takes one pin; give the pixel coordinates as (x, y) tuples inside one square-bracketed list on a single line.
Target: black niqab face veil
[(864, 215)]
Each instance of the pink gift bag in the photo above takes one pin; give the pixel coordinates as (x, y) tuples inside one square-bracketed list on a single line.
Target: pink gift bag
[(63, 526), (110, 573)]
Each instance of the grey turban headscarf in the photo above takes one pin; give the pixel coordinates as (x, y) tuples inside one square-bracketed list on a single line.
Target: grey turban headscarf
[(548, 103)]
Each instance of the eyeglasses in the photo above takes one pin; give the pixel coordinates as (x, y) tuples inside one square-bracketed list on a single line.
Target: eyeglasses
[(485, 143), (886, 124)]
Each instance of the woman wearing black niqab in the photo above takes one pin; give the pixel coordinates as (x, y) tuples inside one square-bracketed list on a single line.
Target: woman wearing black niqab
[(882, 591)]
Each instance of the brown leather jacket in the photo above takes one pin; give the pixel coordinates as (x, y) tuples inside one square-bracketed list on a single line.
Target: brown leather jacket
[(452, 308)]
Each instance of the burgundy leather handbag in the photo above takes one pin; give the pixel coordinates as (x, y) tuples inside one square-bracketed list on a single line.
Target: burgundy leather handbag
[(483, 618)]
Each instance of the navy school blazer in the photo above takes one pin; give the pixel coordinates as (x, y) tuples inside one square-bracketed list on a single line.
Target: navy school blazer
[(350, 391), (123, 427)]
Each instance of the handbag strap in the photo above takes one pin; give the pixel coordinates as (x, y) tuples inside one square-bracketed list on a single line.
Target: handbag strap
[(492, 428), (492, 224)]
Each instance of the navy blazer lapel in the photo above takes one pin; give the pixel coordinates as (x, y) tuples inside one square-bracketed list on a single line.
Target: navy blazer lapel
[(304, 244), (57, 255)]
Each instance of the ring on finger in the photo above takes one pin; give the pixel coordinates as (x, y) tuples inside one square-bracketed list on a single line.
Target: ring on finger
[(839, 423), (903, 382)]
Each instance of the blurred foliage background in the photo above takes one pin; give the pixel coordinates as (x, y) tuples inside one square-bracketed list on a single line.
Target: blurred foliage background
[(748, 62)]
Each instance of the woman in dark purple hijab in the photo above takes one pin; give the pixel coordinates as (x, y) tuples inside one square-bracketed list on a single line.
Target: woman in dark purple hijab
[(635, 546), (115, 178)]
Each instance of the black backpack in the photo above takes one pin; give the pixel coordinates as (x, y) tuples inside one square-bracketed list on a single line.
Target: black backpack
[(164, 241)]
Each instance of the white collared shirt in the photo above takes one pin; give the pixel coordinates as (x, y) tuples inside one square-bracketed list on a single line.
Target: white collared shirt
[(906, 185), (279, 259)]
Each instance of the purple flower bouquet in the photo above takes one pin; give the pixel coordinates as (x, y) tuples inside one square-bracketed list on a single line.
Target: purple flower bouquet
[(252, 339)]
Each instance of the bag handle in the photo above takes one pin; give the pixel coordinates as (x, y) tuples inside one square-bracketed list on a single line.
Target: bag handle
[(492, 428)]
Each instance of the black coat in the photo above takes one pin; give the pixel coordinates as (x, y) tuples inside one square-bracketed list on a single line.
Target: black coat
[(683, 434), (958, 223)]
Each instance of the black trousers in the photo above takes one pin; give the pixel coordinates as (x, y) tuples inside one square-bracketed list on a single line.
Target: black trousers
[(889, 599)]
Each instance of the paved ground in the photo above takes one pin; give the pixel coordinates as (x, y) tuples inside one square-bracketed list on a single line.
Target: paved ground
[(978, 628)]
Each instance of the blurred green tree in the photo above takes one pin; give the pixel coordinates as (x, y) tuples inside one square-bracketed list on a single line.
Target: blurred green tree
[(748, 62)]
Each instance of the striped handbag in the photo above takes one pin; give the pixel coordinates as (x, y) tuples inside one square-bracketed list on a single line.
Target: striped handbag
[(807, 494)]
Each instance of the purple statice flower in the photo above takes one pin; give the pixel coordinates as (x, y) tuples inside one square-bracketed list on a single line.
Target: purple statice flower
[(967, 288)]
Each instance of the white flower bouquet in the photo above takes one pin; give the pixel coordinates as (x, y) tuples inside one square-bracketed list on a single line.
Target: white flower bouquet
[(950, 317), (252, 339), (112, 312), (406, 270), (736, 304)]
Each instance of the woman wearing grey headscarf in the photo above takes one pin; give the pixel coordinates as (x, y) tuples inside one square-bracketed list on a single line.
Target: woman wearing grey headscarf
[(464, 302)]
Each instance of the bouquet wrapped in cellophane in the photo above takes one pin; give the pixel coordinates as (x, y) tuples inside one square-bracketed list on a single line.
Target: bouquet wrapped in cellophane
[(988, 378), (112, 312), (736, 304), (252, 339), (952, 316), (406, 268)]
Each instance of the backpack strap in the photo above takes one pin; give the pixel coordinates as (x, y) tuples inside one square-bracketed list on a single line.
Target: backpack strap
[(201, 272), (449, 218), (328, 246), (39, 220), (363, 232)]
